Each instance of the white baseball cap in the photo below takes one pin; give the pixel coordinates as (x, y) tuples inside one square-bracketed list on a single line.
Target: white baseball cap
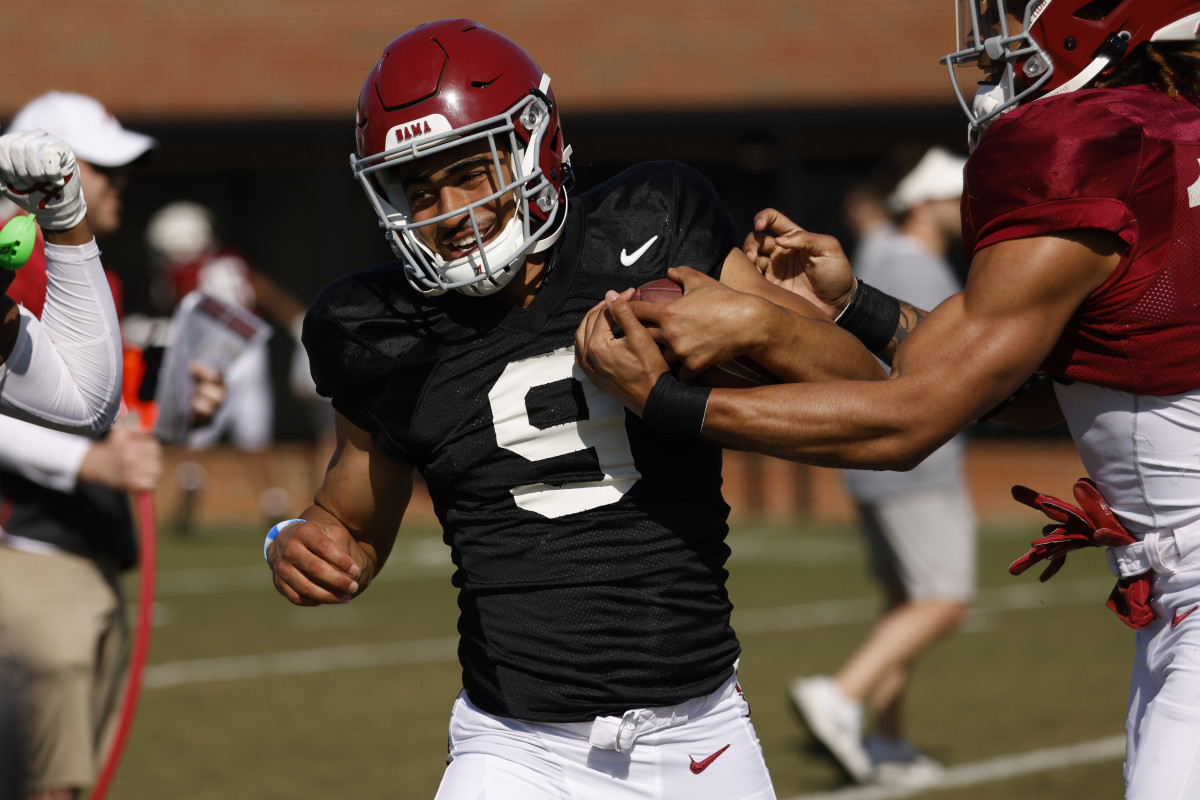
[(937, 176), (84, 123)]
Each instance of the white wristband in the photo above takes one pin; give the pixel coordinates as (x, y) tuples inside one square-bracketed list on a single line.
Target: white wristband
[(271, 534)]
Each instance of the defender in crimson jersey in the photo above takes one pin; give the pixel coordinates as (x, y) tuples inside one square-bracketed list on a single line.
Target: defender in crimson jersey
[(1082, 226), (597, 655)]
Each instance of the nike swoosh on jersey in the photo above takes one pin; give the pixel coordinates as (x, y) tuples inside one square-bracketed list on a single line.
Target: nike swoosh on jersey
[(1177, 618), (628, 259), (700, 766)]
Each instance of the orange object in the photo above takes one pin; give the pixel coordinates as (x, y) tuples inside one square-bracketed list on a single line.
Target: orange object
[(133, 390)]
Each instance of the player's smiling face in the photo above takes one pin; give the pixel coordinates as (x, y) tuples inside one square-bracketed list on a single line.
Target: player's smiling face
[(449, 182)]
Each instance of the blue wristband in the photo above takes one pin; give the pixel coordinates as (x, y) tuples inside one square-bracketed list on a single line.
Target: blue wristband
[(271, 534)]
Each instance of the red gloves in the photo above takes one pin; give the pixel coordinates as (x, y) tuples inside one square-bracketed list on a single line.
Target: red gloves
[(1092, 525)]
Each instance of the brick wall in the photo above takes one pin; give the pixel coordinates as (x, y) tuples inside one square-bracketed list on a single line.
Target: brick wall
[(221, 59), (757, 487)]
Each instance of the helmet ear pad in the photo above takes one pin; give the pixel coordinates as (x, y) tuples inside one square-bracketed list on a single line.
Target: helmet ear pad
[(450, 83)]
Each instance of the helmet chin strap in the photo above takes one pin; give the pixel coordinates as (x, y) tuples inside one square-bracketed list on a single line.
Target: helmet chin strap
[(547, 241), (1085, 76)]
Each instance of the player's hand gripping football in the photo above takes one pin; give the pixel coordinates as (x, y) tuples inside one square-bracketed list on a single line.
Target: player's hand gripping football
[(40, 174), (617, 352), (812, 265), (316, 563), (1091, 524), (709, 324)]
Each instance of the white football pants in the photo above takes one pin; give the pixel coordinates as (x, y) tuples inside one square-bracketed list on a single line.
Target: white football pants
[(703, 749), (1162, 728)]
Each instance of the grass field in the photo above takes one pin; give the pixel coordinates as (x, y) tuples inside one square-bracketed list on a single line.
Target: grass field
[(249, 697)]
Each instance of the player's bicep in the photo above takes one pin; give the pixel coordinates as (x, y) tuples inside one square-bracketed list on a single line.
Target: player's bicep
[(985, 342), (364, 490)]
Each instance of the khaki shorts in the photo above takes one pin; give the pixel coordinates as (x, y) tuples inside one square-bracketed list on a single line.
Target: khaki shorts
[(61, 617), (923, 541)]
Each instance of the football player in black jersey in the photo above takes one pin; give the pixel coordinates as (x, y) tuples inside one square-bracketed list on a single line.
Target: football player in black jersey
[(596, 651)]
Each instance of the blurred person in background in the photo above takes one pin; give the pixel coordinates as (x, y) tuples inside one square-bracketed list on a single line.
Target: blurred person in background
[(597, 656), (186, 255), (919, 525), (866, 211), (66, 525), (1082, 303)]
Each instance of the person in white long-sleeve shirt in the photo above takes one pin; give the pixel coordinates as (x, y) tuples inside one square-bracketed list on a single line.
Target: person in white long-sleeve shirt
[(64, 369), (66, 530)]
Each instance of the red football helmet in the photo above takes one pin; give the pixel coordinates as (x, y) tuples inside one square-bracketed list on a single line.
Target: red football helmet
[(445, 84), (1054, 46)]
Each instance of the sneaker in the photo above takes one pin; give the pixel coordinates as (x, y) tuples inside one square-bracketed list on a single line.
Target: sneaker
[(898, 763), (835, 721)]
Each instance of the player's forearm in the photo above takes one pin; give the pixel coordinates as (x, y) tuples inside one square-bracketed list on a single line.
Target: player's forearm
[(374, 533), (859, 424), (910, 315), (78, 235), (800, 349), (83, 366), (47, 457), (878, 320)]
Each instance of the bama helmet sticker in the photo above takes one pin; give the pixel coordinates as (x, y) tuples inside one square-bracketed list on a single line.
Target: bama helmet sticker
[(417, 129)]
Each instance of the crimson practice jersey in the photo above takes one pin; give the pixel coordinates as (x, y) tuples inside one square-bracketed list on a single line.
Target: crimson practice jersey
[(1121, 160), (589, 549)]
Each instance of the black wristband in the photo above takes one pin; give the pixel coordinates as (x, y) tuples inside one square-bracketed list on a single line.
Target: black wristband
[(675, 407), (871, 316)]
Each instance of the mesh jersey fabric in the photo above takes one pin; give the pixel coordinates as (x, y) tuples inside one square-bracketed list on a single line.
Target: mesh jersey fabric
[(1121, 160), (589, 549)]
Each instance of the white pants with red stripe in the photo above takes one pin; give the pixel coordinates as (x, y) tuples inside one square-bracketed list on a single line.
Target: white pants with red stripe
[(1162, 758), (703, 749)]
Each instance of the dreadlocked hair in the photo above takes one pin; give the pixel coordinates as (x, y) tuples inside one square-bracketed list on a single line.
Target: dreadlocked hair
[(1173, 66)]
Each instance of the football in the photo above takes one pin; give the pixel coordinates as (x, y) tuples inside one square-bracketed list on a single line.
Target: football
[(741, 373), (663, 290)]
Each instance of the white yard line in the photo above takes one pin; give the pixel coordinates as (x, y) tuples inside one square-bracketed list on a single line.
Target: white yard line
[(748, 622), (753, 621), (300, 662), (991, 769)]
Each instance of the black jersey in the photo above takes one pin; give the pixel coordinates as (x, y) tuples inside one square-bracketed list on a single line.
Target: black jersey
[(590, 550)]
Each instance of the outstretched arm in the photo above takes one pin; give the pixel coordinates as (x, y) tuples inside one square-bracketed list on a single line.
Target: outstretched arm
[(967, 356), (349, 530), (815, 267), (63, 371), (742, 315)]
